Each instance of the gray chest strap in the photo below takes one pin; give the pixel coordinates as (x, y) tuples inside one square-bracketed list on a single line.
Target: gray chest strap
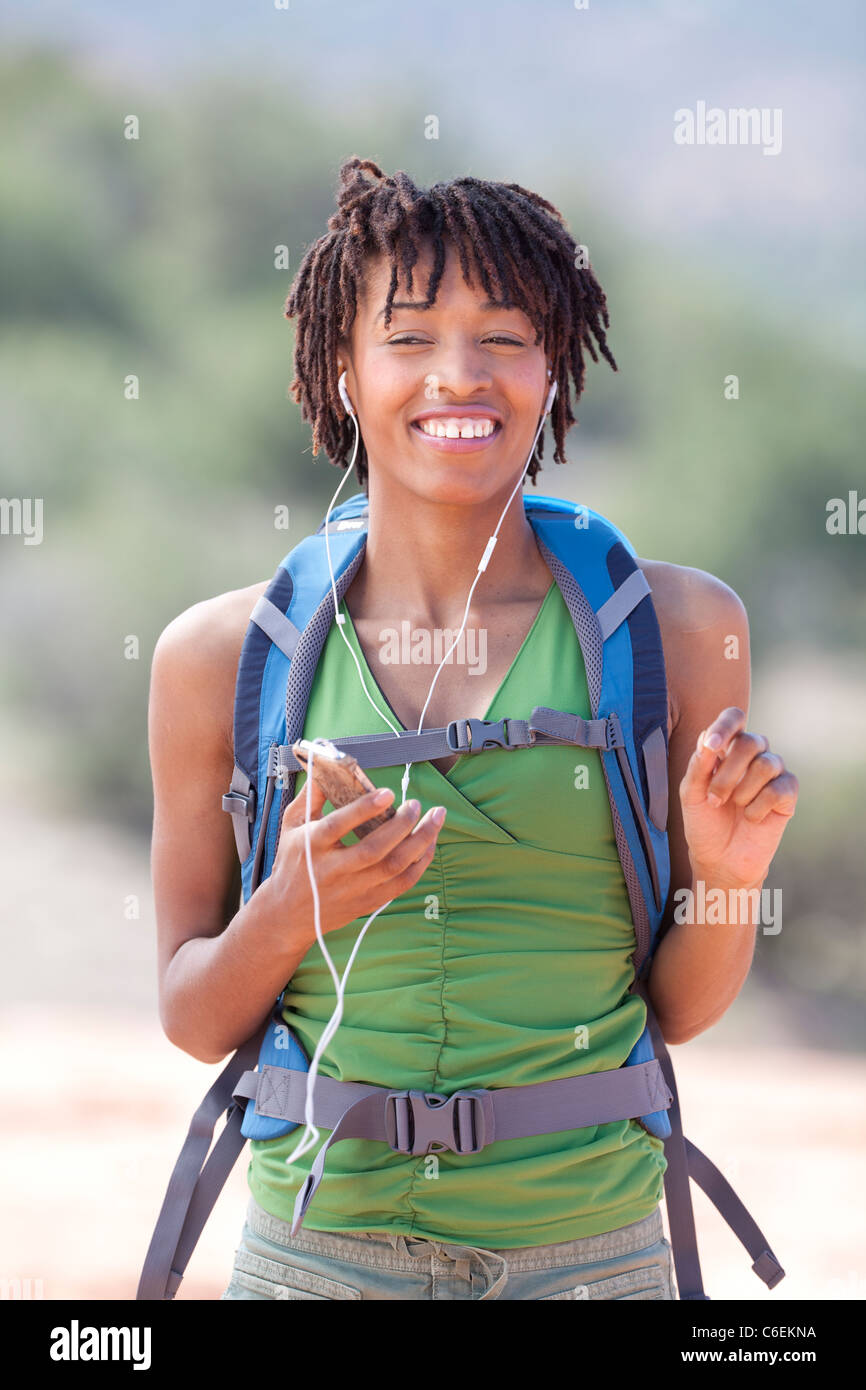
[(461, 736), (465, 736)]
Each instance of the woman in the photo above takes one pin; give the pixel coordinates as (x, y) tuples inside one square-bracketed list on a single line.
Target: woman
[(508, 927)]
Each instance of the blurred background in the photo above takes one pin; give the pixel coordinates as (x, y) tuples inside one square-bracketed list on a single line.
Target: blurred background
[(155, 257)]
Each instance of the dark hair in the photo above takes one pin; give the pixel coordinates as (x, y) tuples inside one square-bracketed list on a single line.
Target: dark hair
[(511, 234)]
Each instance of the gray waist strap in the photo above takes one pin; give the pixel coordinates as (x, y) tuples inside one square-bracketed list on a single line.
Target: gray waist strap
[(419, 1122)]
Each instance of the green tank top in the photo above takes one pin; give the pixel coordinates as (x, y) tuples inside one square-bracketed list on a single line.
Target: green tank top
[(507, 963)]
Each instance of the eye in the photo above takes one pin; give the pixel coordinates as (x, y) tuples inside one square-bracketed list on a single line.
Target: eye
[(494, 338)]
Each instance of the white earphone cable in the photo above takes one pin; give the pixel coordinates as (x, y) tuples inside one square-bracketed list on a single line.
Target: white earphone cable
[(310, 1134)]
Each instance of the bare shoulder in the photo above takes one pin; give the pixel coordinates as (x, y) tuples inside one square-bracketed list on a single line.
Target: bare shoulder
[(690, 600), (197, 653), (697, 614)]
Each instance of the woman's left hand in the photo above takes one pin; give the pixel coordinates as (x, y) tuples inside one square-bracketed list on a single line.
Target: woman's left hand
[(733, 841)]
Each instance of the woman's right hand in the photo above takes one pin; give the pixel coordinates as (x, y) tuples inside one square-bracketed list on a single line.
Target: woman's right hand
[(352, 880)]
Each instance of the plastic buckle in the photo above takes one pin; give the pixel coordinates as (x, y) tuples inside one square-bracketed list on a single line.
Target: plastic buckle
[(482, 733), (420, 1122), (243, 802)]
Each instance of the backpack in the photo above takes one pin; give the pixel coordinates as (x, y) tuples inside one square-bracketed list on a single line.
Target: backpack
[(262, 1088)]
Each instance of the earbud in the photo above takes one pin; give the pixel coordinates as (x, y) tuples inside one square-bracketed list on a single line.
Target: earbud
[(550, 395), (344, 395)]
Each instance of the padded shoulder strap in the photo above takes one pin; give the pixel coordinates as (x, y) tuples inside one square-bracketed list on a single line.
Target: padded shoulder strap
[(609, 599), (267, 624), (276, 625)]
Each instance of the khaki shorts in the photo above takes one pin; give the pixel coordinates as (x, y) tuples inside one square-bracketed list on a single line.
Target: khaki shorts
[(632, 1262)]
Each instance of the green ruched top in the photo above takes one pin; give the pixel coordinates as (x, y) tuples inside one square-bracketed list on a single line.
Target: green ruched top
[(506, 963)]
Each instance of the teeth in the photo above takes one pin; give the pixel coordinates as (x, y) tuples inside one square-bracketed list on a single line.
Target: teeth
[(457, 428)]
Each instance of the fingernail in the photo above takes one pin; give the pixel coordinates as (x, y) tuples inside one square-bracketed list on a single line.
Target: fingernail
[(438, 815), (414, 807), (714, 741), (713, 799), (382, 796)]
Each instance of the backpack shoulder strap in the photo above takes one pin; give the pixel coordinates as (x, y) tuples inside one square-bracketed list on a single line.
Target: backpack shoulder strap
[(608, 597), (610, 602), (282, 645), (268, 625)]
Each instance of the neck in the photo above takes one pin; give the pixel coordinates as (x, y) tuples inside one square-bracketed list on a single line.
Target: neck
[(423, 556)]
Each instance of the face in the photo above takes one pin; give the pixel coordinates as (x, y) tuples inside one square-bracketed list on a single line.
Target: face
[(448, 399)]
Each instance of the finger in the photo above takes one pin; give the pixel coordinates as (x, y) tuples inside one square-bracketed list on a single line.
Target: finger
[(411, 875), (712, 744), (743, 751), (342, 819), (718, 735), (780, 796), (410, 849), (373, 848), (296, 812)]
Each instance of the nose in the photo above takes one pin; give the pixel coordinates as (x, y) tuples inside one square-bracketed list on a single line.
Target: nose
[(459, 372)]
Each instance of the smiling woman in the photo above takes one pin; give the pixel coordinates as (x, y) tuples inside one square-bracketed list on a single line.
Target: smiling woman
[(510, 242), (512, 941)]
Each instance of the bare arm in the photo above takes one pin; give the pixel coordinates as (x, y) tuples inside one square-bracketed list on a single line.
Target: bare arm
[(699, 967), (222, 966)]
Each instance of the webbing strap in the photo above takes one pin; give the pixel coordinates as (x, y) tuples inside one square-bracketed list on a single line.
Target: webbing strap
[(685, 1160), (544, 726), (279, 628), (240, 802), (280, 1094), (193, 1188), (621, 602), (655, 761), (221, 1160), (354, 1111), (678, 1197), (542, 1107), (729, 1206), (640, 821), (570, 728)]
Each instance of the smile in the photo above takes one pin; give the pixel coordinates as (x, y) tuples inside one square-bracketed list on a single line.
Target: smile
[(457, 432)]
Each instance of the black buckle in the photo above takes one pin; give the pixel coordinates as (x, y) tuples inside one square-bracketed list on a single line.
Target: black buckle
[(482, 733), (420, 1122)]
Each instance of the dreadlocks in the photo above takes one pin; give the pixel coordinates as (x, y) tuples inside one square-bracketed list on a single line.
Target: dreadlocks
[(509, 234)]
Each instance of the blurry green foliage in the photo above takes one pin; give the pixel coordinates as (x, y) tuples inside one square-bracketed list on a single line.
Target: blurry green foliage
[(155, 257)]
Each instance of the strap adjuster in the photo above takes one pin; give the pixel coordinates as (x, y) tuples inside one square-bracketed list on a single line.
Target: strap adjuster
[(240, 803), (473, 735), (615, 735), (420, 1122), (767, 1267)]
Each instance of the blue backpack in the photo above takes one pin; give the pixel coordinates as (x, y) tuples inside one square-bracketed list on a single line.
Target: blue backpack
[(262, 1088)]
